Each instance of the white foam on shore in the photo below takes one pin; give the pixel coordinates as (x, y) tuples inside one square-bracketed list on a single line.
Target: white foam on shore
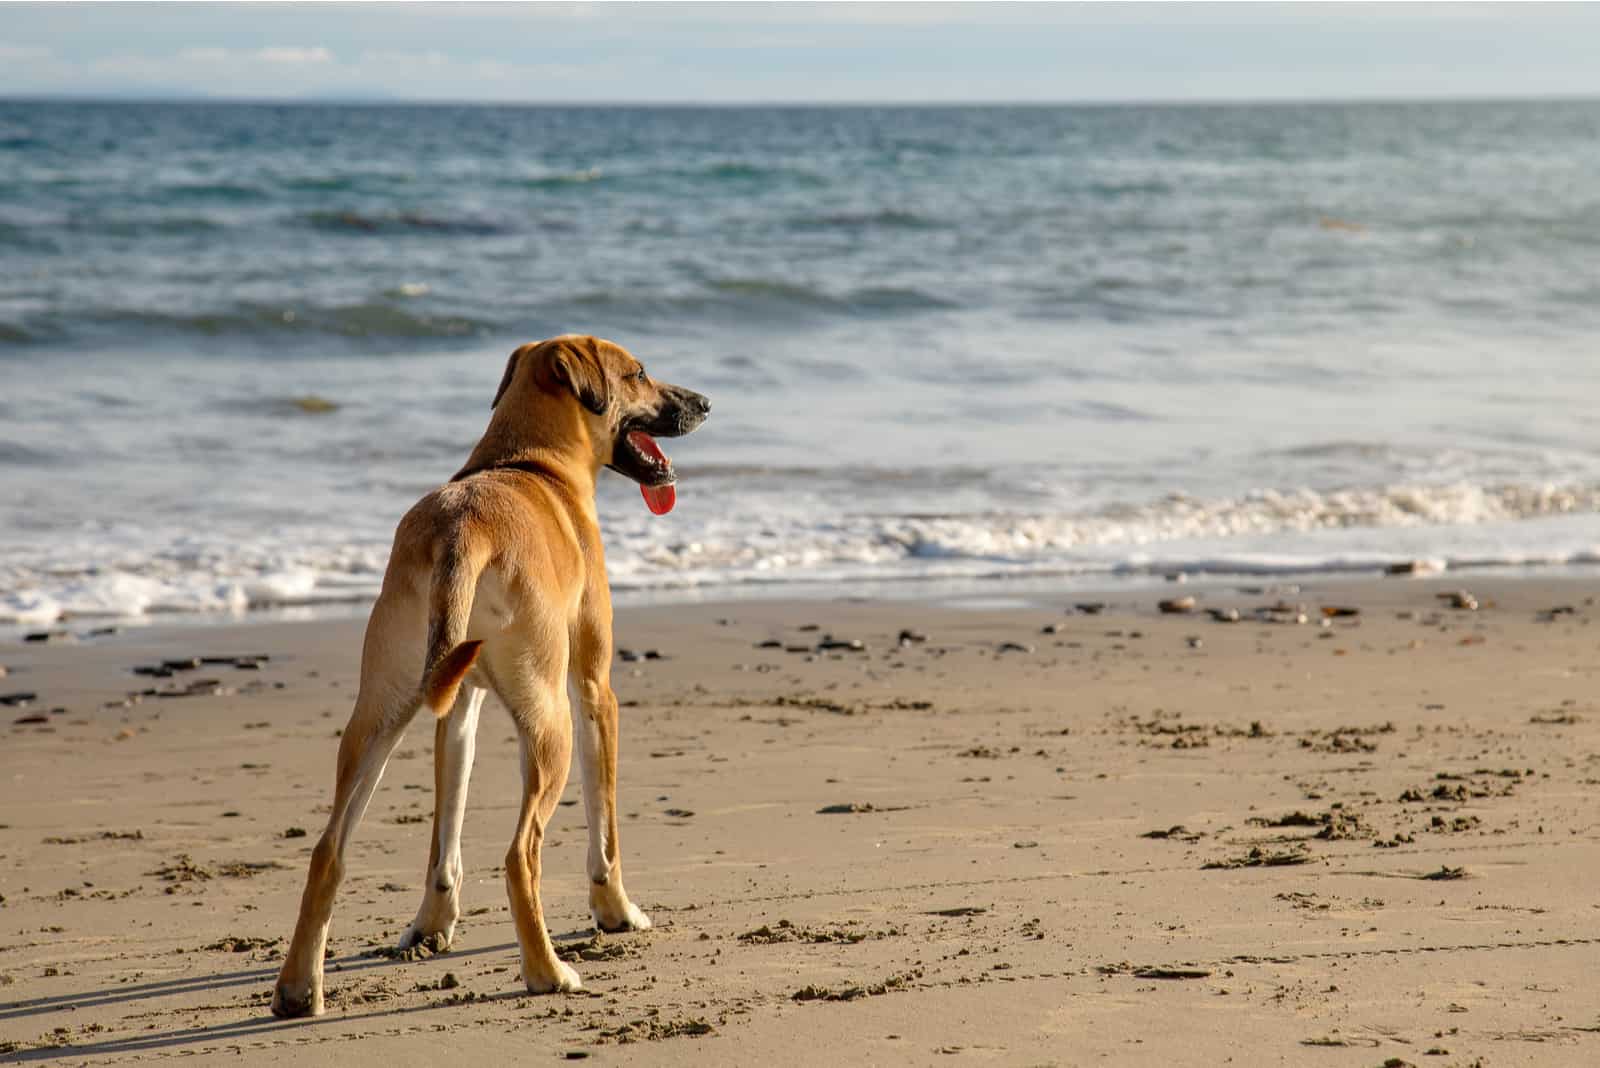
[(128, 574)]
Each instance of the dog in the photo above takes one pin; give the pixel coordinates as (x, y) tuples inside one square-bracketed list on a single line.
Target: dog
[(497, 581)]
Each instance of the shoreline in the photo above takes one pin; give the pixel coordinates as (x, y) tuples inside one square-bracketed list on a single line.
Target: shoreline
[(1035, 590), (1029, 836)]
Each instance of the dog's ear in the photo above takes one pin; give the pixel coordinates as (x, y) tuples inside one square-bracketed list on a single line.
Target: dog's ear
[(576, 365), (511, 372)]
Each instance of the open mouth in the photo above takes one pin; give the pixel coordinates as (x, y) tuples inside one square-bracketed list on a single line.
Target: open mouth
[(639, 457)]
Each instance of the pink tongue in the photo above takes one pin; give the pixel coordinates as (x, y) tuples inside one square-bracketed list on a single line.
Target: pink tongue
[(659, 499)]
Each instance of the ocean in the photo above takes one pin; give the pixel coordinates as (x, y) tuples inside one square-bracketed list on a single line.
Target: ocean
[(963, 347)]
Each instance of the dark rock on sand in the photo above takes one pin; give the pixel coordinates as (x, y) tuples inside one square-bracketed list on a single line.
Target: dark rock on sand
[(1413, 567), (1260, 858), (1177, 606), (1282, 612), (1176, 833)]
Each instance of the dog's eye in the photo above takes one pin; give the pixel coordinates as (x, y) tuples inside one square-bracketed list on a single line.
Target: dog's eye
[(640, 376)]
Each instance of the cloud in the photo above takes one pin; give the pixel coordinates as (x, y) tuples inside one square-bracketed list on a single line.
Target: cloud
[(23, 53), (205, 55), (294, 56), (281, 54)]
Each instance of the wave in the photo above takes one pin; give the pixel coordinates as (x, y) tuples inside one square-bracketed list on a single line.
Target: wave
[(404, 311), (885, 219), (761, 298), (1359, 530), (558, 179), (17, 334), (155, 226), (743, 171), (405, 222), (865, 298), (729, 172), (363, 319), (226, 192), (15, 453), (30, 238)]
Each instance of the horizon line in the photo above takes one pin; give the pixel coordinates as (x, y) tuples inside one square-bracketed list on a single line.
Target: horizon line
[(379, 100)]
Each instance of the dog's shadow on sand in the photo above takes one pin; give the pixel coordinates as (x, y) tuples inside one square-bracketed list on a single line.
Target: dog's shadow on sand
[(261, 1024)]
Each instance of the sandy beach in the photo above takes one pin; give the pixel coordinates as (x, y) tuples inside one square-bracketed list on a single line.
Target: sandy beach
[(1020, 834)]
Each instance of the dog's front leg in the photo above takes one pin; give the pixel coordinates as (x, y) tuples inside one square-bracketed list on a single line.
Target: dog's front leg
[(545, 728), (597, 724)]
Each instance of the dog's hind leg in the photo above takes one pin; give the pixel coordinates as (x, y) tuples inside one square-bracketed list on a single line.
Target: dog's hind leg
[(455, 739), (364, 751)]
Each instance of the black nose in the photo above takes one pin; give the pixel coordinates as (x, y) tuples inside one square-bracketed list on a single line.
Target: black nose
[(700, 403)]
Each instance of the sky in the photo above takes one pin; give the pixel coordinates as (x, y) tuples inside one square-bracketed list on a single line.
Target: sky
[(792, 53)]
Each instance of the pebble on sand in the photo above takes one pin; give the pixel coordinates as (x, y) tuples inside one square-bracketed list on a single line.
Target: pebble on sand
[(1177, 606)]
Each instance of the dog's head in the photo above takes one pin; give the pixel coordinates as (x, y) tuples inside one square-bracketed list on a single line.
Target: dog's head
[(623, 408)]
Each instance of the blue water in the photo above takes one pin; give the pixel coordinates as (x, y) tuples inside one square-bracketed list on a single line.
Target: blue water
[(943, 343)]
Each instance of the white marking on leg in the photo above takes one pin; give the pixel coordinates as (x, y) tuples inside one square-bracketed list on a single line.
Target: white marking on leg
[(441, 895), (594, 800), (461, 737)]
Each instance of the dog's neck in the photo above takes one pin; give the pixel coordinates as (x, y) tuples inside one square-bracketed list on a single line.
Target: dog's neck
[(519, 443)]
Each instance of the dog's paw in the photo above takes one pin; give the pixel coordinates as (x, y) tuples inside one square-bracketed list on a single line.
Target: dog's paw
[(629, 917), (555, 978), (437, 941), (293, 1000)]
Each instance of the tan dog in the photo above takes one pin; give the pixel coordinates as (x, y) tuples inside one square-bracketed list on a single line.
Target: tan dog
[(498, 580)]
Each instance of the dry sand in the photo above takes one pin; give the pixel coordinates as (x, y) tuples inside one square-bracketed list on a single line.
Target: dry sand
[(1285, 844)]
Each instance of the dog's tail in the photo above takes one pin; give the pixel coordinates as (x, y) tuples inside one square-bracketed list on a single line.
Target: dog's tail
[(450, 654)]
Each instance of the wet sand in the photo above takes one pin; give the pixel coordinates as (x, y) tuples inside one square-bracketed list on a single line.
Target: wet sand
[(1038, 836)]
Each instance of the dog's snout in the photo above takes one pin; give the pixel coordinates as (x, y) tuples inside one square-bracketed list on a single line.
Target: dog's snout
[(699, 404)]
